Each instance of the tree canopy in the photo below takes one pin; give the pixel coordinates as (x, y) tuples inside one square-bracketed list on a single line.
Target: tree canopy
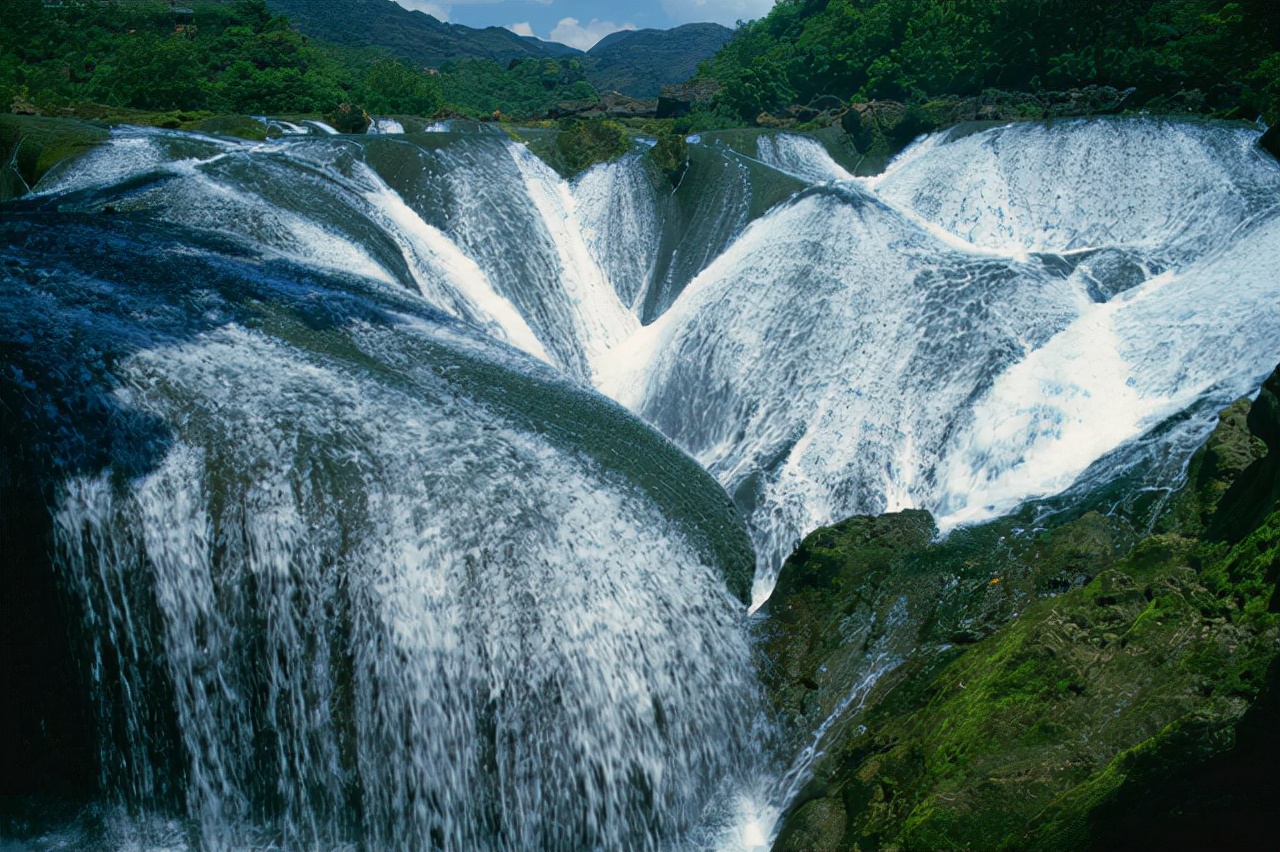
[(237, 57), (1215, 56)]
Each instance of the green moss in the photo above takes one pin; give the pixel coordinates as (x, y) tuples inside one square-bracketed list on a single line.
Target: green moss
[(1086, 673), (239, 126), (670, 155), (32, 145), (583, 144)]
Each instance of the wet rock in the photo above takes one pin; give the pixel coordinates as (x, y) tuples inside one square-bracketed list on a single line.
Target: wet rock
[(1270, 141)]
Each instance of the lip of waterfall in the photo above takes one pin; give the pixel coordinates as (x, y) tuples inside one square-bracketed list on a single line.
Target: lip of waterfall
[(385, 127), (800, 157), (1004, 185)]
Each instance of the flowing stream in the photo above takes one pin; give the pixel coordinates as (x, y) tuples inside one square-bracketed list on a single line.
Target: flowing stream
[(359, 551)]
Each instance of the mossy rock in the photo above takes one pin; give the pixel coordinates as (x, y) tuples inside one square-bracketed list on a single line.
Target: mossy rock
[(32, 145), (349, 119), (238, 126), (1035, 712), (583, 144), (670, 156)]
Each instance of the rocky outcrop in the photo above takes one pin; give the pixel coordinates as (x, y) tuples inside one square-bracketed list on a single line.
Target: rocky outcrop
[(608, 105), (1023, 689), (32, 145), (349, 119), (677, 100)]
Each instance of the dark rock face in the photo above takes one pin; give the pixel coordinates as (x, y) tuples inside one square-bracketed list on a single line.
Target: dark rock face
[(50, 748), (349, 119), (1270, 141), (1062, 688), (609, 105)]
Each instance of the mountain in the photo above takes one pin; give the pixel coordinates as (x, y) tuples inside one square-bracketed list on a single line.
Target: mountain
[(415, 36), (640, 62), (552, 48), (634, 62)]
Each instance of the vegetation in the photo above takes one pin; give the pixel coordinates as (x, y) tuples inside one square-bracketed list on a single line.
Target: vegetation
[(1180, 55), (417, 39), (1060, 690), (671, 154), (482, 87), (32, 145), (236, 57), (230, 57), (899, 60), (582, 144), (639, 63)]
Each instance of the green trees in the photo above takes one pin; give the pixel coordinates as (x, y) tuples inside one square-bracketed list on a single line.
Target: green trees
[(671, 155), (233, 58), (1223, 53), (1216, 56), (392, 87), (522, 88), (150, 71), (582, 144), (240, 58)]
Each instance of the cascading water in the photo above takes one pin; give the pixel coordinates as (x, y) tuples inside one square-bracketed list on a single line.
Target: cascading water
[(351, 569), (973, 329), (620, 203), (351, 573)]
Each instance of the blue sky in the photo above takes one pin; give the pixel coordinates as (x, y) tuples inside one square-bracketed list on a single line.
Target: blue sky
[(581, 23)]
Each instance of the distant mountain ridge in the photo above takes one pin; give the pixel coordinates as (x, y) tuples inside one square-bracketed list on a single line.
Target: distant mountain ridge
[(634, 62), (411, 35), (640, 62)]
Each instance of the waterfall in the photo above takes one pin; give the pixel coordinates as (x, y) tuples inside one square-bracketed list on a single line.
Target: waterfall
[(800, 157), (360, 553), (395, 602), (385, 127), (900, 343), (622, 224), (348, 571)]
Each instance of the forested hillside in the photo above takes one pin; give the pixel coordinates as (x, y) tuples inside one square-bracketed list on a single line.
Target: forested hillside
[(238, 57), (412, 36), (1179, 55), (640, 62)]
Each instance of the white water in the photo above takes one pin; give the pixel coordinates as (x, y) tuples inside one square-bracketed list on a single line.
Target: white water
[(509, 673), (800, 157), (618, 206), (973, 329), (976, 328), (385, 127), (862, 350), (600, 320)]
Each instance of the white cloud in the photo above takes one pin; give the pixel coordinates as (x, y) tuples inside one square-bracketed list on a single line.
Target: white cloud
[(521, 29), (726, 12), (569, 31), (435, 8)]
